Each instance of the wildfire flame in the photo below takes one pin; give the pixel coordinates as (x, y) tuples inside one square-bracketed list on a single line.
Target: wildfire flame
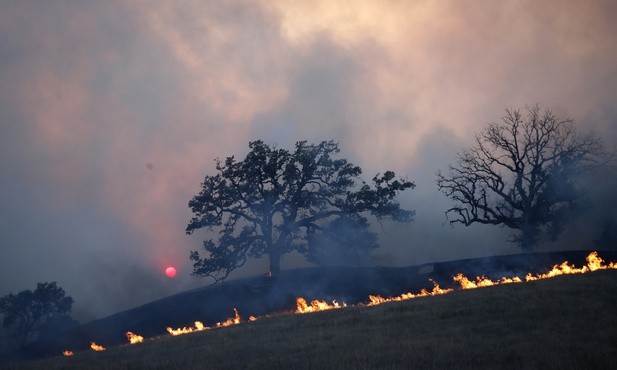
[(437, 290), (96, 347), (316, 305), (482, 281), (134, 338), (252, 318), (230, 321), (68, 353), (594, 263), (199, 326)]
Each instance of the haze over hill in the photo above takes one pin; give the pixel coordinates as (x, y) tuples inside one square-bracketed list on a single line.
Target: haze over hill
[(112, 112)]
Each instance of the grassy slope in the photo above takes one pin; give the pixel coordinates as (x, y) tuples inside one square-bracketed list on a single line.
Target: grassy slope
[(564, 322), (260, 296)]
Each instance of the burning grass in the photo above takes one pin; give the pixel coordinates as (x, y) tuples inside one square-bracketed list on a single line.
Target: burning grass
[(316, 305), (96, 347)]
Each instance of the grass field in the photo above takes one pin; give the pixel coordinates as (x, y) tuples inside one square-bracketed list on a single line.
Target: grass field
[(563, 322)]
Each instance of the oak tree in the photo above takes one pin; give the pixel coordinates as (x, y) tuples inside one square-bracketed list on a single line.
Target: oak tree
[(276, 201), (28, 312)]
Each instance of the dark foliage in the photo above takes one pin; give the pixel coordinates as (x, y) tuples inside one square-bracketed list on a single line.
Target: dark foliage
[(522, 173), (277, 201), (29, 313)]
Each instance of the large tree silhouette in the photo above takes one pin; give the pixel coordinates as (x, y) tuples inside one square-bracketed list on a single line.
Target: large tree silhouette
[(276, 201), (521, 173), (28, 312)]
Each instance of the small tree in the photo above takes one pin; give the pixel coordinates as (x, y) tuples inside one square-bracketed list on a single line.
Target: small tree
[(277, 201), (27, 312), (521, 173)]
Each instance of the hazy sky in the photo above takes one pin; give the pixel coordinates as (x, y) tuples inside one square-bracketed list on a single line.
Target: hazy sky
[(111, 113)]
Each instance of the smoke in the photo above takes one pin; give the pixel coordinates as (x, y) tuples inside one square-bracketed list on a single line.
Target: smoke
[(111, 113)]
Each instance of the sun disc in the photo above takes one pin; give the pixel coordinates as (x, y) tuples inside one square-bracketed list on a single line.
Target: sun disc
[(170, 271)]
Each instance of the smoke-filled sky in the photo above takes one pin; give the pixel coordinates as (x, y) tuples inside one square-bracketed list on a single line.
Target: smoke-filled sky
[(111, 113)]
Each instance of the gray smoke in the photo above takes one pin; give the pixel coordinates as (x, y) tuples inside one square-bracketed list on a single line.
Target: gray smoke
[(111, 113)]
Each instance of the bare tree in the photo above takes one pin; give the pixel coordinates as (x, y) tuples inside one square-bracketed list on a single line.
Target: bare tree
[(522, 173)]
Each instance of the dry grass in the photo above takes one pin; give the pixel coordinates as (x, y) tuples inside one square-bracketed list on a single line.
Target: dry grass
[(564, 322)]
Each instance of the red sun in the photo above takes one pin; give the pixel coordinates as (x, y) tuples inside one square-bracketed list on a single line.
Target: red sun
[(170, 271)]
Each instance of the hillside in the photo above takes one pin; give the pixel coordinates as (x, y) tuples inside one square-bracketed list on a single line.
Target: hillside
[(260, 296), (563, 322)]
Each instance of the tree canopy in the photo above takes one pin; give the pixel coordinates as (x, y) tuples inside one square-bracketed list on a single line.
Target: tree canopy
[(276, 201), (28, 312), (522, 173)]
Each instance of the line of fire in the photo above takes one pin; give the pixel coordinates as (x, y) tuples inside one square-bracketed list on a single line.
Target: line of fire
[(594, 263)]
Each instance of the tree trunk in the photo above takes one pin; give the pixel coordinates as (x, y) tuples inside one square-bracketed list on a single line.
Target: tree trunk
[(528, 238), (275, 264)]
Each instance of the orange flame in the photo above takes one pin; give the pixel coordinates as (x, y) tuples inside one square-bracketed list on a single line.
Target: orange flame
[(68, 353), (482, 281), (134, 338), (96, 347), (316, 305), (252, 318), (230, 321), (594, 263), (199, 326), (437, 290)]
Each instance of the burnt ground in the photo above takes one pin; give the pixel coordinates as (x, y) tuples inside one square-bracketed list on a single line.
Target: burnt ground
[(260, 295)]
